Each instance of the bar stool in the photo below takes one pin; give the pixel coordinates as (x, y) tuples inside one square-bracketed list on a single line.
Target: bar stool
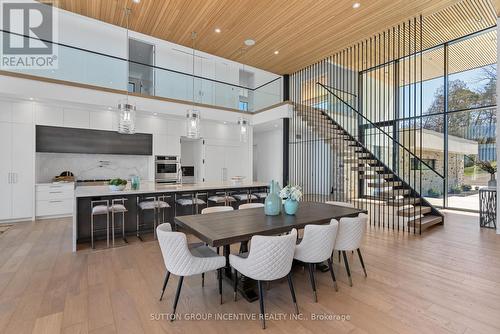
[(99, 207), (150, 203), (191, 200), (248, 197), (221, 197), (118, 206)]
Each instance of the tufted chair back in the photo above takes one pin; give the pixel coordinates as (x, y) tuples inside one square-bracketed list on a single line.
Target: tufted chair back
[(216, 209), (317, 243), (351, 232)]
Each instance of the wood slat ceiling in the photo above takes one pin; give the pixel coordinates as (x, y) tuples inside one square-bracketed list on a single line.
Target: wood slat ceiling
[(304, 31)]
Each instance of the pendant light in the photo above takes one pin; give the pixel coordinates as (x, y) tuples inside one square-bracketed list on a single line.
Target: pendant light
[(126, 121), (193, 115), (243, 124)]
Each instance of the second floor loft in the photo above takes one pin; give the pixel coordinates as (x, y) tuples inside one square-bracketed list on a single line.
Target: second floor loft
[(190, 77)]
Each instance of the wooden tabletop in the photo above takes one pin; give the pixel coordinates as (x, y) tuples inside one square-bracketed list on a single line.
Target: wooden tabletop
[(225, 228)]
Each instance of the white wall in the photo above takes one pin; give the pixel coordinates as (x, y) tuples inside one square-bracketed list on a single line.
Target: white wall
[(269, 155)]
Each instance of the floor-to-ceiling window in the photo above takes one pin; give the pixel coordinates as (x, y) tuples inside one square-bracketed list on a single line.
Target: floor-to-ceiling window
[(452, 133)]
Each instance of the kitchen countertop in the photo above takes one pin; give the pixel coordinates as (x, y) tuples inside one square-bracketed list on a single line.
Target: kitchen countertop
[(152, 187)]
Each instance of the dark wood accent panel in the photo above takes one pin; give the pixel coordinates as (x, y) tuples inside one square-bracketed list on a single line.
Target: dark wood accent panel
[(55, 139), (225, 228)]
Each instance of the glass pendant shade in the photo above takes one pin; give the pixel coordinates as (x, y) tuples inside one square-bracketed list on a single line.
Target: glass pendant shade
[(126, 124), (243, 123), (193, 124)]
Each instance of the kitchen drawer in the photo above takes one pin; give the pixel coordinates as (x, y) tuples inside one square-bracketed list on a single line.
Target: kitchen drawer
[(54, 192), (54, 207)]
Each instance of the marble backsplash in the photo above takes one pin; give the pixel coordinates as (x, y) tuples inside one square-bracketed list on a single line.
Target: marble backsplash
[(92, 166)]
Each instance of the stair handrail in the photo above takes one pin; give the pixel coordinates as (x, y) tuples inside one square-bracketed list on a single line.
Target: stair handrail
[(385, 133)]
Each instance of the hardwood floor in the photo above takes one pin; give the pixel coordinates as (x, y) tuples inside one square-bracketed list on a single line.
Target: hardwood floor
[(447, 281)]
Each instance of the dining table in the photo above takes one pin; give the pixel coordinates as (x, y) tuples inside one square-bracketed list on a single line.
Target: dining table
[(223, 229)]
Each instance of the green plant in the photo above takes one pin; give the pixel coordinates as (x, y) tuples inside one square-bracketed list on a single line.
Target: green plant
[(466, 187), (117, 182), (434, 193), (455, 189)]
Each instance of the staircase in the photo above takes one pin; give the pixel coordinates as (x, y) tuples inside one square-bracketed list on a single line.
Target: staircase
[(394, 196)]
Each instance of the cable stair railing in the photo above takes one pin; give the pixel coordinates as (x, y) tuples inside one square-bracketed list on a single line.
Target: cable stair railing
[(392, 198)]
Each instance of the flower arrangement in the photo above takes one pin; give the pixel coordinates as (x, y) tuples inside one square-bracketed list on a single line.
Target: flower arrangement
[(291, 192)]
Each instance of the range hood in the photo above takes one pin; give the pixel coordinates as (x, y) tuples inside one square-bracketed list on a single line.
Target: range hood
[(54, 139)]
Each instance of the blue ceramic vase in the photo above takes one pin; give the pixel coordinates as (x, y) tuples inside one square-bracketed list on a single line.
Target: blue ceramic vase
[(291, 206), (272, 205)]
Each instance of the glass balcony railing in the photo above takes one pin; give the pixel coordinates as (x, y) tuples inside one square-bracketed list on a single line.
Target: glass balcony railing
[(82, 66)]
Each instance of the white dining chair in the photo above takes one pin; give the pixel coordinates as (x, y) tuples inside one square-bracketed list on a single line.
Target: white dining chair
[(182, 261), (349, 237), (316, 247), (213, 209), (270, 258), (344, 204), (250, 206)]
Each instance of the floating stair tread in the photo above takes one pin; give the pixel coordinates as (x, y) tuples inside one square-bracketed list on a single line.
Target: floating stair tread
[(395, 192), (385, 184), (426, 221), (376, 176), (362, 161), (415, 211), (368, 168), (403, 201)]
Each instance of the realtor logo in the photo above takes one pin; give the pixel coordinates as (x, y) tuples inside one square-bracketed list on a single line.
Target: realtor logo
[(29, 31)]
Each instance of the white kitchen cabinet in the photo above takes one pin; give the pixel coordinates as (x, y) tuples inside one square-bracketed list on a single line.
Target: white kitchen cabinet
[(49, 115), (224, 160), (101, 120), (22, 169), (5, 169), (214, 163), (75, 118), (54, 199), (16, 170), (166, 145)]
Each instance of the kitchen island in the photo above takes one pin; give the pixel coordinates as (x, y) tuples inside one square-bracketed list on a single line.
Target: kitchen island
[(84, 195)]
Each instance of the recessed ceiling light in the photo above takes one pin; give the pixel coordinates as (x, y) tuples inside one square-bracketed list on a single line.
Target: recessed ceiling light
[(217, 30), (155, 113), (136, 1), (225, 122), (249, 42), (276, 52), (109, 108), (356, 5), (31, 99)]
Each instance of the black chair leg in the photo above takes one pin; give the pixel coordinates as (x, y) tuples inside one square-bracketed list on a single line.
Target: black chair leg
[(346, 263), (219, 274), (235, 285), (167, 276), (330, 267), (176, 300), (339, 256), (261, 304), (313, 283), (362, 262), (292, 291), (202, 280)]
